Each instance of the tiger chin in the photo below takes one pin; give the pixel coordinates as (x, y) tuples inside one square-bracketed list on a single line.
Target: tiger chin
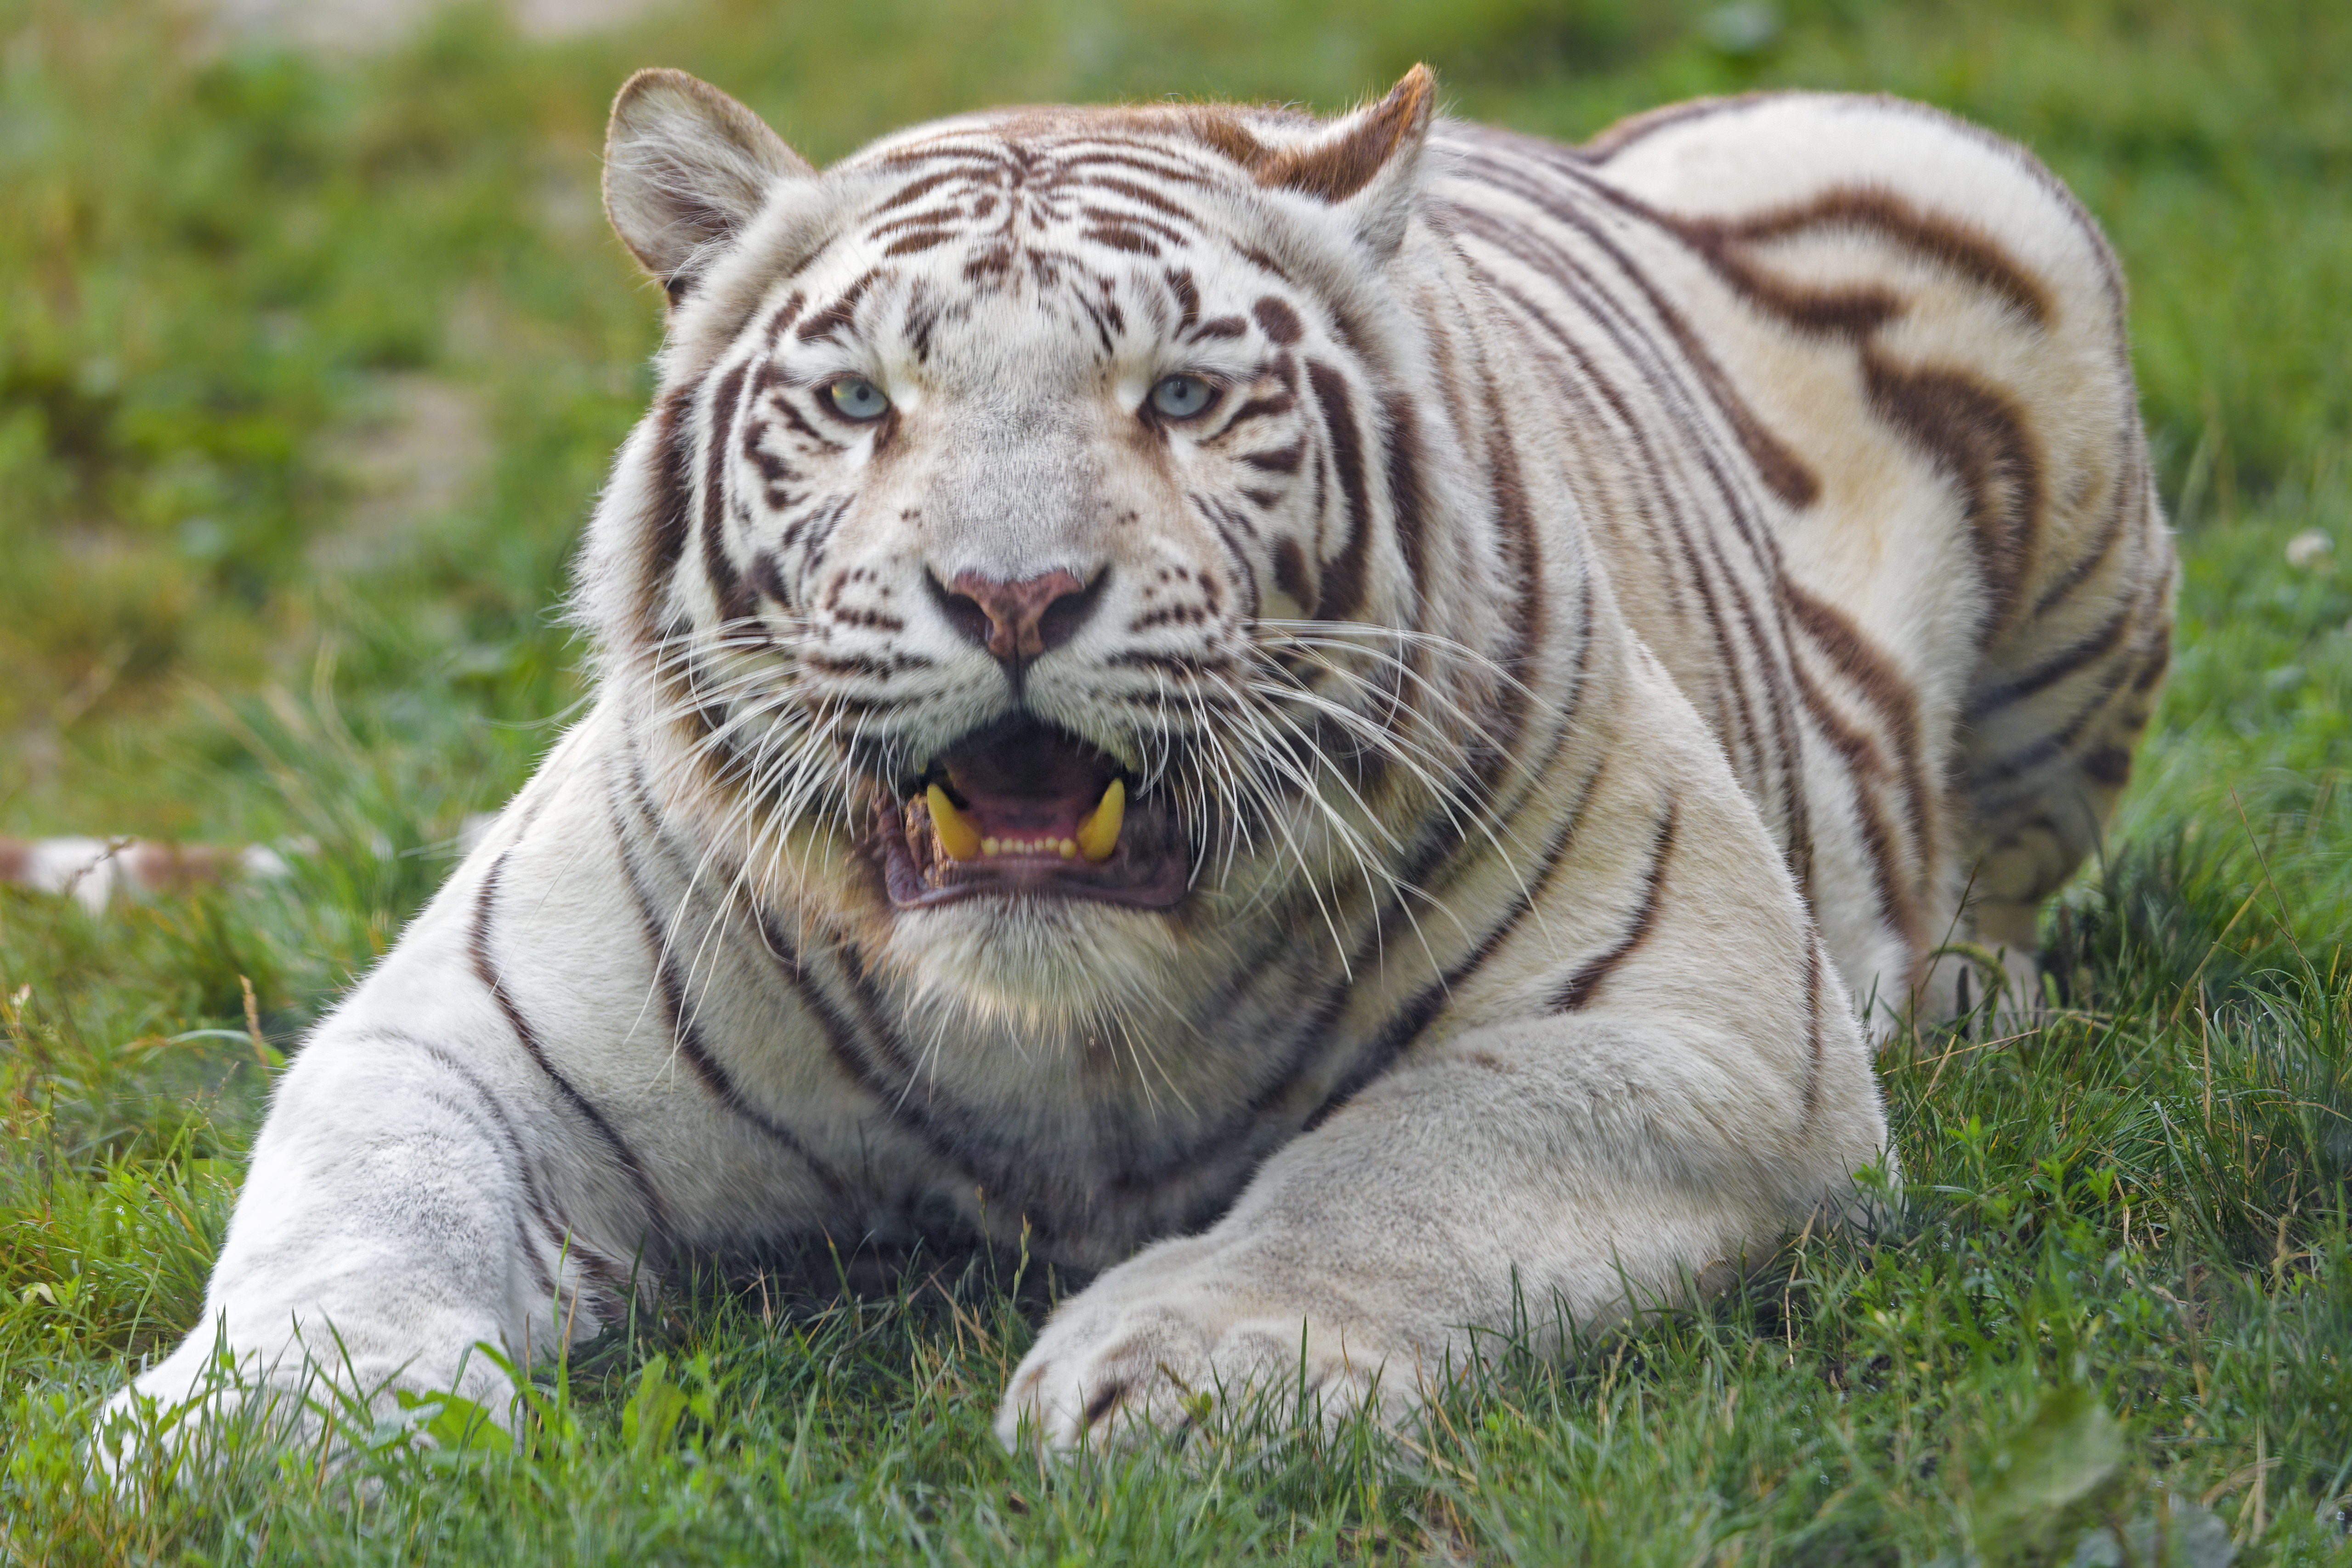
[(1357, 724)]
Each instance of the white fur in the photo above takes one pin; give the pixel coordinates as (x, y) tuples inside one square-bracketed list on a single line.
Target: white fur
[(1397, 1068)]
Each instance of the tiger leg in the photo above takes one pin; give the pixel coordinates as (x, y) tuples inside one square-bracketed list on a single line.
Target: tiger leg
[(1620, 1128), (2065, 689), (1591, 1168), (391, 1223)]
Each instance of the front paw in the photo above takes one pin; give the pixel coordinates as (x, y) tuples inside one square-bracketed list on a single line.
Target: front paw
[(1149, 1350)]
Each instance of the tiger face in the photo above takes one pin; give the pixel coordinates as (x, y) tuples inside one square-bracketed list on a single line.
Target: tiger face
[(1027, 526)]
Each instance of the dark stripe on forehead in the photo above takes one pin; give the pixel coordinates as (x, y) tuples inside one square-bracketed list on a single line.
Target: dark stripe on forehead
[(1107, 215), (1188, 299), (839, 316), (1277, 320), (786, 313), (972, 155), (1143, 194), (1121, 237), (1263, 262), (1157, 168), (915, 243), (914, 190)]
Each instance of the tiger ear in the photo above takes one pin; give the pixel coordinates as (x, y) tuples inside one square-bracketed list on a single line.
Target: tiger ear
[(1366, 163), (685, 168)]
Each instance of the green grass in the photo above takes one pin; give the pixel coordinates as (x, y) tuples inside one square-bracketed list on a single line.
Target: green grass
[(307, 375)]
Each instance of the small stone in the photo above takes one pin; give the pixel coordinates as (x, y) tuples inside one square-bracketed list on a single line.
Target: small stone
[(2308, 549)]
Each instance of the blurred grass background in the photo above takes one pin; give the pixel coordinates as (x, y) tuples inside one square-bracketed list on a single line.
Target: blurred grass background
[(311, 365), (308, 358)]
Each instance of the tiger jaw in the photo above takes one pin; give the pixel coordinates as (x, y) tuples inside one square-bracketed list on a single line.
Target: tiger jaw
[(1028, 810)]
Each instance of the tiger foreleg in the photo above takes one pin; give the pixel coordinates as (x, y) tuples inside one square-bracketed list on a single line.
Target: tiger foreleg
[(1553, 1176), (386, 1232)]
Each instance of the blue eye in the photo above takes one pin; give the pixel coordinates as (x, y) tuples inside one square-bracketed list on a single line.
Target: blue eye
[(855, 397), (1181, 397)]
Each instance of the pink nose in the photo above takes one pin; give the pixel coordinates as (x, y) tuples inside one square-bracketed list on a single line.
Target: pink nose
[(1017, 620)]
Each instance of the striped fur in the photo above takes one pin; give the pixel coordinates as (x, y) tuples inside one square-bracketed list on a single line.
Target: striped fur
[(1625, 607)]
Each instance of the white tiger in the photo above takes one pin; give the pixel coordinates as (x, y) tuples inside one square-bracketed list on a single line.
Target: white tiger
[(1350, 722)]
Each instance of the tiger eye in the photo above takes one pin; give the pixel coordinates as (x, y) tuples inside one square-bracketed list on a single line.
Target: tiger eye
[(855, 397), (1181, 397)]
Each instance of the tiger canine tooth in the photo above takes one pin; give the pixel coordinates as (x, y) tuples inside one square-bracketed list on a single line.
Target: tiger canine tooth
[(1097, 835), (957, 836)]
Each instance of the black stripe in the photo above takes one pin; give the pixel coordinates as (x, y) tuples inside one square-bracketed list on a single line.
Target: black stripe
[(477, 946), (1405, 1025), (2009, 766), (673, 506), (1813, 1028), (1780, 468), (2049, 673), (1578, 992), (726, 584), (490, 1121), (687, 1038), (1868, 669), (1736, 726), (1401, 434), (614, 1286), (1342, 593), (2131, 501), (1864, 768)]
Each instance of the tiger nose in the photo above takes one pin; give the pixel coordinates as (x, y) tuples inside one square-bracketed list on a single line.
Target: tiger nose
[(1017, 621)]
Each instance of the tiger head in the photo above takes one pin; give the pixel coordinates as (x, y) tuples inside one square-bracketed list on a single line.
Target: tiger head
[(1030, 547)]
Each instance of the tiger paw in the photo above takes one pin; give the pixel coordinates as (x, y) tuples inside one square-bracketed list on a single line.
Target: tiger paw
[(1115, 1369)]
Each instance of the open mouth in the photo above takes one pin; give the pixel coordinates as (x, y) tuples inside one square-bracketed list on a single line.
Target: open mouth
[(1024, 807)]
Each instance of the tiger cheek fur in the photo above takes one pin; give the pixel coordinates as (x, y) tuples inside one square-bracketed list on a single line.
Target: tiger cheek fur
[(1355, 724)]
